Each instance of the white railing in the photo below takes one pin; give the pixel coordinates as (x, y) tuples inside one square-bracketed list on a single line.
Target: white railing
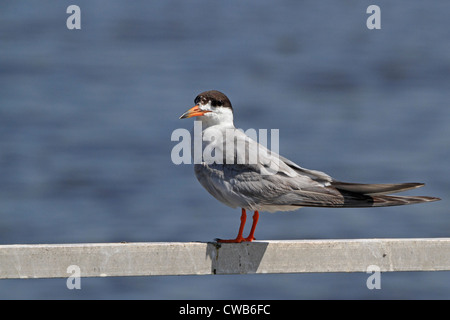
[(205, 258)]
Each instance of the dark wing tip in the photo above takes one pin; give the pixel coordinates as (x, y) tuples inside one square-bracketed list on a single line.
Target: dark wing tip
[(385, 201), (376, 189), (431, 199)]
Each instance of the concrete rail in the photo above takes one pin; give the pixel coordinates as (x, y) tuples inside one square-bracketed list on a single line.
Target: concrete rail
[(205, 258)]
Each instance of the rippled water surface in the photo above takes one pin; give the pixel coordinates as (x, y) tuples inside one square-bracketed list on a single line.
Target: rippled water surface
[(86, 118)]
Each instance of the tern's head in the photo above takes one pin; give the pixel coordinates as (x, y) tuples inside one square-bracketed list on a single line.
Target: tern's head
[(211, 107)]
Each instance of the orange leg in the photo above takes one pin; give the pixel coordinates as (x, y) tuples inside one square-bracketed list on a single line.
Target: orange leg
[(239, 237), (252, 230)]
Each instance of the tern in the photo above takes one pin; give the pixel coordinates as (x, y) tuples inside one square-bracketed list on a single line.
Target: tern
[(272, 183)]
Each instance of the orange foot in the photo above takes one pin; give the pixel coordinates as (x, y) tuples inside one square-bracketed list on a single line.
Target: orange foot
[(249, 239), (237, 240), (239, 237)]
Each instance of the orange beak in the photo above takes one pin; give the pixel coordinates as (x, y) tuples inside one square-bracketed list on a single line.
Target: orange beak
[(194, 112)]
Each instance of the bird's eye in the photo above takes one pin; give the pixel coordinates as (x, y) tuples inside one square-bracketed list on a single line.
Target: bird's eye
[(216, 103)]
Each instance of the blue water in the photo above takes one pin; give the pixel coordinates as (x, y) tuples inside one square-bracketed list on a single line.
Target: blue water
[(86, 118)]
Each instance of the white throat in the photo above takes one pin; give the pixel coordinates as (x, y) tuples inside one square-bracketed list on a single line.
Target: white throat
[(218, 116)]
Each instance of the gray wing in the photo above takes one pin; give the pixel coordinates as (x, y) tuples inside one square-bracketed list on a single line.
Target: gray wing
[(243, 186), (257, 187)]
